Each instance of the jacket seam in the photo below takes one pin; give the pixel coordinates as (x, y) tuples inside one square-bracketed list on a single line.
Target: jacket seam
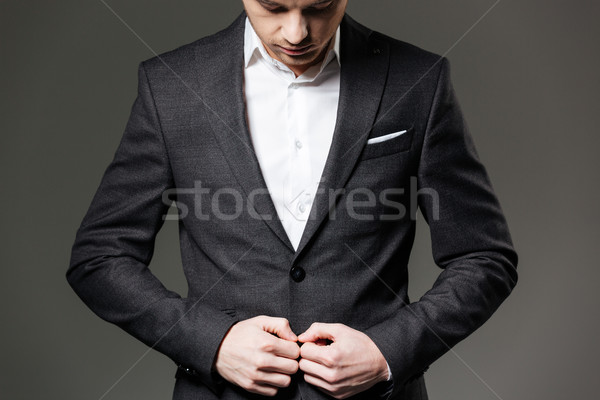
[(158, 119), (442, 60)]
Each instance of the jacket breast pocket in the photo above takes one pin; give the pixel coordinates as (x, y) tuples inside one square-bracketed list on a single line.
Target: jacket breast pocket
[(387, 144)]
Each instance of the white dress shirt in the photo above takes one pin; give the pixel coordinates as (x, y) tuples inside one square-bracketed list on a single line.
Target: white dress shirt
[(291, 121)]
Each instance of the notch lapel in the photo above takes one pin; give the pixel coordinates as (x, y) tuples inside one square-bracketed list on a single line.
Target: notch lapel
[(221, 71), (364, 67)]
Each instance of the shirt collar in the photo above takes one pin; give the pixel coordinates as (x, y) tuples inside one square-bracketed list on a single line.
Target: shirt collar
[(254, 47)]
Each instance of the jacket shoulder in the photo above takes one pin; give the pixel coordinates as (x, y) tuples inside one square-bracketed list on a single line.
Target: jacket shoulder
[(407, 50), (401, 53)]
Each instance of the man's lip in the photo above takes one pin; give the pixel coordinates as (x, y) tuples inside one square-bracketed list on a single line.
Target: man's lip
[(297, 51)]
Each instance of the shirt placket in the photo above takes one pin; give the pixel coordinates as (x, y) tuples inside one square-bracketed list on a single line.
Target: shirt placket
[(300, 167)]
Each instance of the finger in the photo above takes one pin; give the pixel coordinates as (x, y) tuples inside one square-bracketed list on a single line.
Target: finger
[(318, 331), (317, 370), (320, 383), (264, 390), (320, 354), (279, 327), (283, 348), (272, 379), (335, 391), (278, 364)]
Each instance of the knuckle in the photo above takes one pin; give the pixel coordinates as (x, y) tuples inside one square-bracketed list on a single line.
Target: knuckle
[(328, 361), (265, 346), (256, 375), (246, 383), (335, 357), (330, 388), (259, 319), (332, 377), (260, 362), (285, 382), (337, 392), (282, 323), (252, 376)]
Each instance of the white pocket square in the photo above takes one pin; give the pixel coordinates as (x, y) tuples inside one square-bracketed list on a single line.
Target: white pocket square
[(384, 138)]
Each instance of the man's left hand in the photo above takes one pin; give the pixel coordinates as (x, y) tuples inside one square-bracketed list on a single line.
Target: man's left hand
[(349, 364)]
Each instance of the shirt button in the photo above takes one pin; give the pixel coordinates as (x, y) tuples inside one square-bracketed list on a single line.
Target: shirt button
[(302, 208), (298, 274), (298, 144)]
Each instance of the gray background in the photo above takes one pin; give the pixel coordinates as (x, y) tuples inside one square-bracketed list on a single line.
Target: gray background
[(527, 77)]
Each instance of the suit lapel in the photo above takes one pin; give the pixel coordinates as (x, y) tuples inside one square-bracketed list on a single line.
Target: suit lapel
[(218, 78), (364, 66), (222, 92)]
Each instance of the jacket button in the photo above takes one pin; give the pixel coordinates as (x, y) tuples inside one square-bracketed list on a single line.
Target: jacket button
[(298, 274)]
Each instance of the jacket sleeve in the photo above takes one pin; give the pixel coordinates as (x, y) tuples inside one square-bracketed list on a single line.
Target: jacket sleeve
[(114, 245), (470, 242)]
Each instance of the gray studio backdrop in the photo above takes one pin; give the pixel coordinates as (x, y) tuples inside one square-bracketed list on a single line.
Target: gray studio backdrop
[(527, 76)]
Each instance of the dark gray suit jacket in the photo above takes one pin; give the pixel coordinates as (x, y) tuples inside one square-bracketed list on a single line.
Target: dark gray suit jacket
[(187, 139)]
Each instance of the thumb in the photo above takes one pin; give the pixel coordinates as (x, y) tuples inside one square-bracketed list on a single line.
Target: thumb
[(279, 327), (318, 331)]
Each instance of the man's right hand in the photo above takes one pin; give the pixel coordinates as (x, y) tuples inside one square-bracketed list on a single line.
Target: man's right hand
[(259, 355)]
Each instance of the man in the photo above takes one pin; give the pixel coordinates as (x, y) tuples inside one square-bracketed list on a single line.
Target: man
[(297, 145)]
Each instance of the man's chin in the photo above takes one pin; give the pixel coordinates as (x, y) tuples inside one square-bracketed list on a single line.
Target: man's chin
[(305, 60)]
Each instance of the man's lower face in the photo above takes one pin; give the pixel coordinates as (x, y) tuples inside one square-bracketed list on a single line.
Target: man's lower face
[(297, 57)]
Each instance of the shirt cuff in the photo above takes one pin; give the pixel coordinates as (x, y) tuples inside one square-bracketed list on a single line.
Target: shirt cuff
[(389, 371)]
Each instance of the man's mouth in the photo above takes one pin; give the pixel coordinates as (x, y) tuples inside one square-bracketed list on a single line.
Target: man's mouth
[(295, 51)]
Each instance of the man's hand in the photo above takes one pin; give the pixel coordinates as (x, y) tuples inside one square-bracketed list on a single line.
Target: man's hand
[(349, 364), (259, 355)]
